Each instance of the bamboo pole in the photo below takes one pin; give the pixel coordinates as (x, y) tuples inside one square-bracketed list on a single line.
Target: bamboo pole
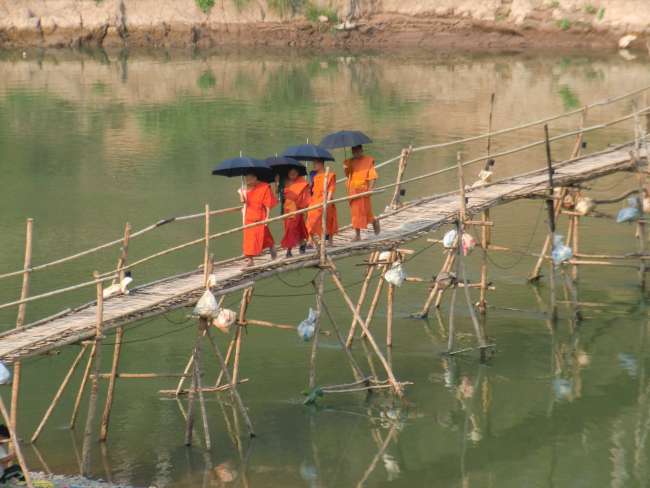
[(124, 252), (106, 416), (233, 384), (375, 298), (362, 295), (189, 419), (452, 262), (397, 388), (59, 393), (243, 307), (314, 345), (390, 296), (16, 444), (198, 371), (485, 230), (551, 220), (356, 370), (95, 358), (433, 293), (82, 387), (206, 251), (401, 168), (20, 320)]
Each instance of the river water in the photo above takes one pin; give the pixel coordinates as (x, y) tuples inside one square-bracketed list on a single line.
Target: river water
[(90, 140)]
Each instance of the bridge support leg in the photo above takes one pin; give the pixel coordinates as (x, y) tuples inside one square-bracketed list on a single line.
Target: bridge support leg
[(106, 416), (362, 295), (243, 307), (436, 289), (314, 344)]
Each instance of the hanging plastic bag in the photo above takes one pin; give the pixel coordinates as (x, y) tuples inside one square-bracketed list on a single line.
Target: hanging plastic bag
[(561, 252), (468, 243), (449, 239), (385, 256), (224, 320), (207, 306), (445, 279), (307, 327), (5, 374), (629, 213), (395, 275), (585, 205), (562, 388)]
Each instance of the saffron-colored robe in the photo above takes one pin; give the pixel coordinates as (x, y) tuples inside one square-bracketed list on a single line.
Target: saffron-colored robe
[(259, 200), (314, 217), (296, 197), (360, 172)]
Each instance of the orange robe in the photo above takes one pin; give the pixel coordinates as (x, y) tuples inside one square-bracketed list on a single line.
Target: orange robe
[(360, 172), (296, 197), (259, 200), (315, 217)]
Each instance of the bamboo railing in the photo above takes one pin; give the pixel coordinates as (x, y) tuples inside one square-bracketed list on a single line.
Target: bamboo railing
[(114, 273)]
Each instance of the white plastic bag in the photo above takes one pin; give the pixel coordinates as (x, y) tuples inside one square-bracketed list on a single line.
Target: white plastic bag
[(207, 306), (307, 327), (561, 252), (629, 213), (384, 256), (395, 275), (224, 320), (5, 374), (585, 205), (449, 239)]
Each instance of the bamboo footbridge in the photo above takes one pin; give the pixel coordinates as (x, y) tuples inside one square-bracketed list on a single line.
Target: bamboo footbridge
[(465, 207), (411, 221)]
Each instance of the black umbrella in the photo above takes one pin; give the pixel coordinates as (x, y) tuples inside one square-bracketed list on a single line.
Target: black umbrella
[(345, 138), (281, 165), (243, 165), (308, 152)]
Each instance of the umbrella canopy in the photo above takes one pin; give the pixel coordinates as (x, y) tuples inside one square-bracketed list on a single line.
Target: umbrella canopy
[(281, 165), (244, 165), (308, 152), (345, 138)]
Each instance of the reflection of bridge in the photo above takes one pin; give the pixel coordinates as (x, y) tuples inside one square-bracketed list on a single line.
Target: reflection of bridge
[(406, 223)]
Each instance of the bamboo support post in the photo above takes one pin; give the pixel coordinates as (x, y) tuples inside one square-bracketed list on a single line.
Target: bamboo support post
[(485, 229), (397, 388), (15, 443), (124, 252), (247, 296), (82, 388), (535, 274), (575, 243), (314, 345), (401, 168), (641, 175), (106, 416), (551, 219), (390, 297), (362, 295), (20, 320), (95, 359), (59, 393), (189, 418), (375, 299), (198, 372), (206, 251)]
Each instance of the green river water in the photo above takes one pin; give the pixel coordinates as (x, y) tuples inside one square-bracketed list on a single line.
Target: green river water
[(90, 140)]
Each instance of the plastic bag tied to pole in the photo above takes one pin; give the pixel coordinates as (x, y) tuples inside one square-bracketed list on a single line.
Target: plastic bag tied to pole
[(561, 252), (207, 306), (468, 243), (5, 374), (307, 327), (224, 320), (395, 275), (585, 205), (629, 213)]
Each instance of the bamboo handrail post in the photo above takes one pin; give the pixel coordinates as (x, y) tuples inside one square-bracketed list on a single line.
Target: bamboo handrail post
[(58, 394), (391, 377), (551, 219), (94, 385), (320, 288), (20, 320), (206, 251), (362, 295), (124, 252), (106, 416), (401, 168), (16, 444)]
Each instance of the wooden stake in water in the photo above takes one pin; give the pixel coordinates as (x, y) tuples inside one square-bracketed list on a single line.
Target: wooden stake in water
[(551, 218), (106, 416), (314, 345), (20, 320)]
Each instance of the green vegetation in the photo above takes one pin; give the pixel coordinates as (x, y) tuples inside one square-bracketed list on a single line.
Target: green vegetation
[(590, 9), (206, 80), (284, 7), (564, 24), (601, 13), (313, 12), (555, 4), (205, 5), (569, 99)]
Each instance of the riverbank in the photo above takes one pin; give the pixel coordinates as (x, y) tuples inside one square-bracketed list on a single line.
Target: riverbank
[(442, 24)]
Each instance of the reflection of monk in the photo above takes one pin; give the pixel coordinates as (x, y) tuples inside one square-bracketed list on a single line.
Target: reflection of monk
[(258, 200), (314, 217), (361, 174)]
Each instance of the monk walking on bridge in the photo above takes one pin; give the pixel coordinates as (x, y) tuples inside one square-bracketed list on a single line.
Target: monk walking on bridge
[(361, 174), (314, 217), (258, 201)]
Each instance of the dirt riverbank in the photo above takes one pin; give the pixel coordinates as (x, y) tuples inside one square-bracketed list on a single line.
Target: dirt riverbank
[(444, 24)]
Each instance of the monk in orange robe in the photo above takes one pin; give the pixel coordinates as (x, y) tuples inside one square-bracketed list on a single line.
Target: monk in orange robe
[(361, 175), (296, 197), (258, 201), (315, 217)]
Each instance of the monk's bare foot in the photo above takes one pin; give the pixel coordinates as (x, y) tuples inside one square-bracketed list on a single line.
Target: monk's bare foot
[(357, 235), (303, 248), (274, 254), (289, 253), (249, 262), (376, 227)]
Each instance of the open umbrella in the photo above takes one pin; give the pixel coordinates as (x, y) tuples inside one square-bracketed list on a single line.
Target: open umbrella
[(308, 152), (244, 165), (345, 138), (281, 165)]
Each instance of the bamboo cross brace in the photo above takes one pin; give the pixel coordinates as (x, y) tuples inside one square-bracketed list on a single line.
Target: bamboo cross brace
[(117, 350), (397, 388)]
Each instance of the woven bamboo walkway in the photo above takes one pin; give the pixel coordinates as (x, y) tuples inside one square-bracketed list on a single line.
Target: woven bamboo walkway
[(413, 220)]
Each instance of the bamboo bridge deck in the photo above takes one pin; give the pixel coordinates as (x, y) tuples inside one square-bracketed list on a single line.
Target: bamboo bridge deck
[(410, 222)]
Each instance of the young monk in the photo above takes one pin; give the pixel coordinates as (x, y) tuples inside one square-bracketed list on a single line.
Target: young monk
[(314, 217), (258, 201), (296, 197), (361, 174)]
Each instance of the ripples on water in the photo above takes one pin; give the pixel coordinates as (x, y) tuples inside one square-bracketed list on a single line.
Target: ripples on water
[(88, 140)]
